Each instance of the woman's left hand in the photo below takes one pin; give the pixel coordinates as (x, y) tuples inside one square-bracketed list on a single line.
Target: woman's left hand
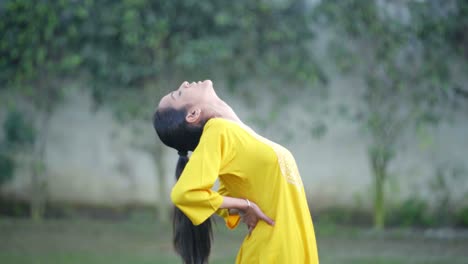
[(252, 215)]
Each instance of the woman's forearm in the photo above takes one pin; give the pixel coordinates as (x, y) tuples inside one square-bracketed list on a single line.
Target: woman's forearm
[(234, 203)]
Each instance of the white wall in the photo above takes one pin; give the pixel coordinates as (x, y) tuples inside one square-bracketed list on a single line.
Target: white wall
[(90, 157)]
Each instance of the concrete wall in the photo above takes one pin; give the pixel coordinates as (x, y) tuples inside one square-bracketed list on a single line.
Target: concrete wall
[(91, 158)]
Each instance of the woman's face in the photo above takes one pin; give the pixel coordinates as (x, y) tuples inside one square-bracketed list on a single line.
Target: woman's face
[(193, 94)]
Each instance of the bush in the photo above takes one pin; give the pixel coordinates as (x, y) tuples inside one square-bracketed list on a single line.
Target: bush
[(461, 218), (7, 166), (343, 216), (413, 212), (18, 130), (19, 133)]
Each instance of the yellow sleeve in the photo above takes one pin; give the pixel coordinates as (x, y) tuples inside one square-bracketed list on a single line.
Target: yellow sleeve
[(192, 193), (232, 220)]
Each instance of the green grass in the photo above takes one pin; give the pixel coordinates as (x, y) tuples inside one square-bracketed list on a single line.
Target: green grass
[(82, 257), (141, 242)]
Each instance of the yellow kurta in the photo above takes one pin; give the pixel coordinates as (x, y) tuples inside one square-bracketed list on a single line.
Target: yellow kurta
[(249, 166)]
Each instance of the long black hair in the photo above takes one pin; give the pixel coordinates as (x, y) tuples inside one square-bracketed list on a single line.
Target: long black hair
[(192, 243)]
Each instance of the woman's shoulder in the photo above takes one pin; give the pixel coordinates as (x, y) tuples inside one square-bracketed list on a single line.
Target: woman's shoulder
[(218, 130), (222, 127)]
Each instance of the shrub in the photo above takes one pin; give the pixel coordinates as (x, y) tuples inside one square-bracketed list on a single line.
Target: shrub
[(413, 212), (7, 166), (461, 218)]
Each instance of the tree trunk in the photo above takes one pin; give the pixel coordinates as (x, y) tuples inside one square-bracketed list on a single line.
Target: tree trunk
[(39, 183), (38, 192), (379, 202), (379, 161)]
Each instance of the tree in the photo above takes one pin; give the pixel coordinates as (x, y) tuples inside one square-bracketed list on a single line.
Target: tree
[(35, 50), (401, 50)]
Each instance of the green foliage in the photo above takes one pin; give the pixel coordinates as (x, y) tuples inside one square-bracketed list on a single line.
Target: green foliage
[(37, 38), (39, 48), (7, 166), (18, 130), (442, 25), (447, 177), (407, 53), (342, 216), (462, 217), (125, 43), (237, 40), (134, 51), (19, 134), (413, 212)]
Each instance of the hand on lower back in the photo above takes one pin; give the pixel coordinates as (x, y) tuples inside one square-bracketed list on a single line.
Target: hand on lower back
[(252, 215)]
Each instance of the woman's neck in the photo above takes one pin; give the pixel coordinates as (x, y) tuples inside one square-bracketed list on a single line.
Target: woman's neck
[(223, 110)]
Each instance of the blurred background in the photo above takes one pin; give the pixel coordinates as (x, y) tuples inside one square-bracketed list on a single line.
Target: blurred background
[(370, 96)]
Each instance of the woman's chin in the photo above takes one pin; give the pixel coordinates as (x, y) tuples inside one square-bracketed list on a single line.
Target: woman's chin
[(208, 82)]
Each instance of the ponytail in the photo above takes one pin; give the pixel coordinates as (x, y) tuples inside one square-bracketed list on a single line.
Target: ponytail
[(192, 243)]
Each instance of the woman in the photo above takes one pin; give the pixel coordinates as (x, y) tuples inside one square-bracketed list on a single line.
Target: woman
[(258, 181)]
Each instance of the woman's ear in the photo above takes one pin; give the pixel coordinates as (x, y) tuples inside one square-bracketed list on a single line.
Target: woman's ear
[(193, 115)]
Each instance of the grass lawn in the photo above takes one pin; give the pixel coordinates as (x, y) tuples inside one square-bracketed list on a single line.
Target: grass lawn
[(141, 242)]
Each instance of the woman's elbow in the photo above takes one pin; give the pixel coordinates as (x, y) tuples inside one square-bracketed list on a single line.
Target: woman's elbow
[(177, 197)]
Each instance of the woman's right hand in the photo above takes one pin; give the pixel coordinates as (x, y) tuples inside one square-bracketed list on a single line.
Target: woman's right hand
[(252, 214)]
